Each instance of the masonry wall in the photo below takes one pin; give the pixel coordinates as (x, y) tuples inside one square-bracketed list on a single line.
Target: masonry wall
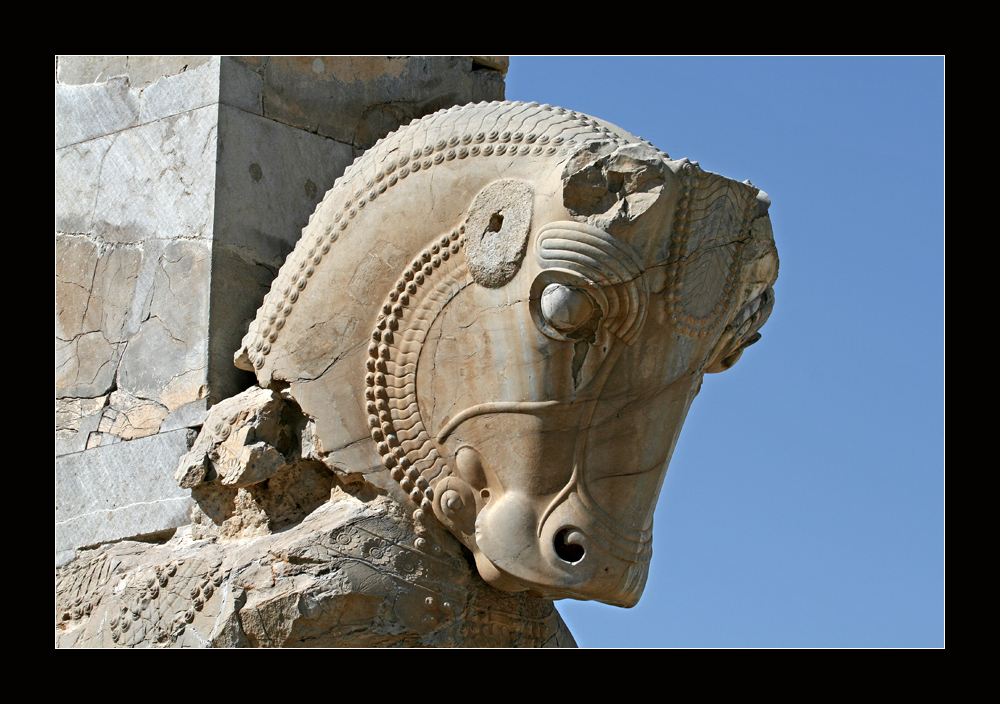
[(181, 185)]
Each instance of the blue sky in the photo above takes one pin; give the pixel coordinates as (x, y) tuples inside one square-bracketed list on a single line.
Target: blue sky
[(804, 505)]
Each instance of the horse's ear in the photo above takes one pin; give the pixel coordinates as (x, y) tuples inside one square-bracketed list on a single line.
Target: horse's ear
[(496, 231)]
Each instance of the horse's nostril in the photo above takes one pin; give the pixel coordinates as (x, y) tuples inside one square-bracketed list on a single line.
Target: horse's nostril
[(570, 552)]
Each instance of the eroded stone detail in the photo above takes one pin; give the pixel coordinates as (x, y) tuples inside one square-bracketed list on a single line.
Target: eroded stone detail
[(248, 470), (346, 576)]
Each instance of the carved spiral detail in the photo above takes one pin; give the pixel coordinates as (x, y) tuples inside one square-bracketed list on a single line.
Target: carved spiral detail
[(577, 256)]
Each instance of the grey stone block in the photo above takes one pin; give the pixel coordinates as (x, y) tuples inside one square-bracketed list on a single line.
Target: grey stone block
[(270, 179), (240, 86), (239, 284), (78, 171), (166, 359), (79, 70), (76, 419), (95, 298), (89, 111), (129, 417), (124, 490), (358, 99), (157, 180), (170, 95), (143, 70), (190, 415)]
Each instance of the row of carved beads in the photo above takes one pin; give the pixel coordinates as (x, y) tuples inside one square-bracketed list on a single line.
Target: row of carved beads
[(378, 375), (286, 289), (494, 142)]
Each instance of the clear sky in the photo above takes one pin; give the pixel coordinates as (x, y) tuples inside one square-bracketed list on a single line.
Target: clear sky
[(804, 505)]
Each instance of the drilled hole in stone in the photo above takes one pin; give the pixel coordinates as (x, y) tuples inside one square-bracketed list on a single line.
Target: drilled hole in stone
[(485, 493), (496, 222), (570, 552)]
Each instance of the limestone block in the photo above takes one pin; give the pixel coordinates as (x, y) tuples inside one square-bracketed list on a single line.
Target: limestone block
[(351, 574), (240, 86), (149, 303), (157, 180), (190, 415), (77, 70), (129, 417), (89, 111), (357, 100), (270, 178), (239, 283), (120, 491), (78, 171), (144, 70), (194, 88), (94, 298), (141, 70), (76, 419), (166, 359)]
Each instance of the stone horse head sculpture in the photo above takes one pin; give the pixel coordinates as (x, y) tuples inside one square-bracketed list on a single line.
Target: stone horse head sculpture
[(509, 308)]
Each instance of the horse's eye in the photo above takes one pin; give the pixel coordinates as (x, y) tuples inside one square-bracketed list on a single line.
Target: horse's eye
[(565, 308)]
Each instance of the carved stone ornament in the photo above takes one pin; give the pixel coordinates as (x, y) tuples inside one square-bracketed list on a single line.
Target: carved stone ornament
[(508, 309)]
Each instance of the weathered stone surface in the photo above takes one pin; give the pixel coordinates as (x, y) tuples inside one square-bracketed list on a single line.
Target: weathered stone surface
[(128, 417), (240, 281), (270, 178), (190, 415), (167, 356), (521, 355), (358, 99), (194, 88), (252, 468), (141, 70), (77, 70), (95, 289), (144, 70), (76, 419), (240, 86), (89, 111), (239, 429), (120, 491), (495, 63), (78, 170), (156, 180), (351, 574), (146, 302)]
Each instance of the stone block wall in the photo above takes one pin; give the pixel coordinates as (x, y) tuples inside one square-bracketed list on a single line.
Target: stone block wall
[(181, 184)]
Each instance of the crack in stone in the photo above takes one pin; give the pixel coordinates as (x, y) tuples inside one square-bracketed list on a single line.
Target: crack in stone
[(120, 508)]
